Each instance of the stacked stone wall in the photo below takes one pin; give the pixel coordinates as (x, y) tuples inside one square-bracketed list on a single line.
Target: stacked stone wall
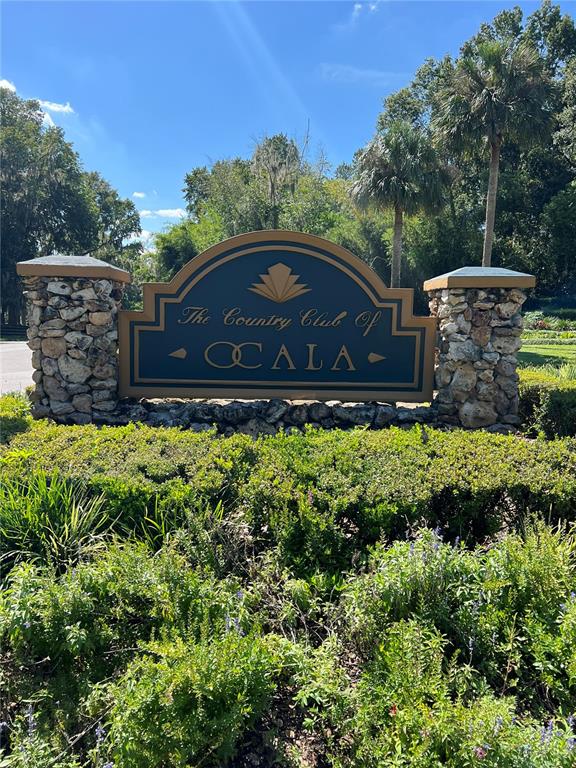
[(73, 335), (476, 355)]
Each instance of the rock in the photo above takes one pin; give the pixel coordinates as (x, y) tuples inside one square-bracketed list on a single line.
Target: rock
[(53, 347), (98, 395), (40, 411), (505, 368), (414, 415), (512, 419), (384, 414), (34, 315), (491, 357), (508, 384), (53, 333), (317, 412), (82, 403), (483, 305), (111, 384), (487, 375), (62, 289), (80, 340), (462, 383), (237, 412), (34, 343), (486, 390), (464, 350), (104, 405), (49, 366), (54, 389), (77, 354), (103, 287), (276, 410), (256, 427), (507, 344), (358, 415), (84, 295), (297, 414), (507, 309), (95, 330), (481, 318), (104, 371), (481, 335), (73, 370), (100, 318), (77, 389), (477, 413), (80, 418), (50, 325), (72, 313), (60, 408)]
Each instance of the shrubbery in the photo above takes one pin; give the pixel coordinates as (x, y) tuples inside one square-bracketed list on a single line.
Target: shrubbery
[(548, 401), (354, 599)]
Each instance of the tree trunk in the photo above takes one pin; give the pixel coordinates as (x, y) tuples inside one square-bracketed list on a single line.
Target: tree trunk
[(491, 203), (396, 248)]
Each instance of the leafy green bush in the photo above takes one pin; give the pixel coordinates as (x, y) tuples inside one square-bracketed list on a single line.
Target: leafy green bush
[(181, 704), (14, 416), (548, 401), (318, 499), (506, 612)]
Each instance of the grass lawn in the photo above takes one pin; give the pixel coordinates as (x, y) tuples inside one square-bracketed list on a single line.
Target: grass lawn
[(543, 354)]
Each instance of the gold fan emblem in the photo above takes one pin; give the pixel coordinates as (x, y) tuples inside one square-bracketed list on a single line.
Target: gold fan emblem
[(279, 284)]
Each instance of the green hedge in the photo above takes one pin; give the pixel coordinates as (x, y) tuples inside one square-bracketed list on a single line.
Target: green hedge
[(320, 498), (547, 404)]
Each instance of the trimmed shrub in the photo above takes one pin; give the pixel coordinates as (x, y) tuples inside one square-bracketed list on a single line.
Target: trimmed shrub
[(188, 704)]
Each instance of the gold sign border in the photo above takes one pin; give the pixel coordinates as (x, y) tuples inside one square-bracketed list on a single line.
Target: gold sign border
[(379, 295)]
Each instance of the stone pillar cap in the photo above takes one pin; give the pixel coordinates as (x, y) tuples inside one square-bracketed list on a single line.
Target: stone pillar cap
[(481, 277), (71, 266)]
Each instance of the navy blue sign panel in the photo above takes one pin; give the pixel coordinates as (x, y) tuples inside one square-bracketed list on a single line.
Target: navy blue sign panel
[(277, 314)]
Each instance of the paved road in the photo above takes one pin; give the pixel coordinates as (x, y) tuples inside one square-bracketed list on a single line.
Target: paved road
[(15, 366)]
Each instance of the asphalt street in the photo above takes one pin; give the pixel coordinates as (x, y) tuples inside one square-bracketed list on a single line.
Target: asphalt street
[(15, 366)]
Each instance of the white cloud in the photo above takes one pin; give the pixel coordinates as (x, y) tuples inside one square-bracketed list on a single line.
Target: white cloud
[(171, 213), (52, 106), (8, 85), (345, 73), (356, 11), (47, 120), (139, 194), (165, 213)]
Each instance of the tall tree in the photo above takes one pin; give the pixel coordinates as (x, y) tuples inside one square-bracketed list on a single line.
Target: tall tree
[(497, 90), (399, 169), (277, 162), (48, 202)]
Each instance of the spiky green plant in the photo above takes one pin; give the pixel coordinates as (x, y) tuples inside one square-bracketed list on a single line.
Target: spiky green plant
[(48, 519)]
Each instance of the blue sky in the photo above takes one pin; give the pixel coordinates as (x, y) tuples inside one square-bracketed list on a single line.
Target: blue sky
[(148, 90)]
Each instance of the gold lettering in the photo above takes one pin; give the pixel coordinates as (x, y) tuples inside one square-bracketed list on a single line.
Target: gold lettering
[(311, 317), (368, 320), (283, 352), (194, 315), (343, 354), (311, 366), (235, 354)]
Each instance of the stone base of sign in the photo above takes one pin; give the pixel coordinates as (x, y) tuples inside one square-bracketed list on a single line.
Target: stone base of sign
[(267, 417), (476, 355), (73, 335)]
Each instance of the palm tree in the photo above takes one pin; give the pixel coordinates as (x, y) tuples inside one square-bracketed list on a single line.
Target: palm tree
[(499, 90), (399, 169)]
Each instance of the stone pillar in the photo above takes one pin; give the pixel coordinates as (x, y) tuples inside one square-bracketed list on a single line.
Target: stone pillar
[(479, 329), (72, 306)]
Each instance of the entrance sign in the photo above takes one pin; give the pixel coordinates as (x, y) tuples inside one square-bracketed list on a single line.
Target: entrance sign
[(277, 314)]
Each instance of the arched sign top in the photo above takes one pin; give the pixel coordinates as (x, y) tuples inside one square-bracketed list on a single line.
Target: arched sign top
[(277, 314)]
